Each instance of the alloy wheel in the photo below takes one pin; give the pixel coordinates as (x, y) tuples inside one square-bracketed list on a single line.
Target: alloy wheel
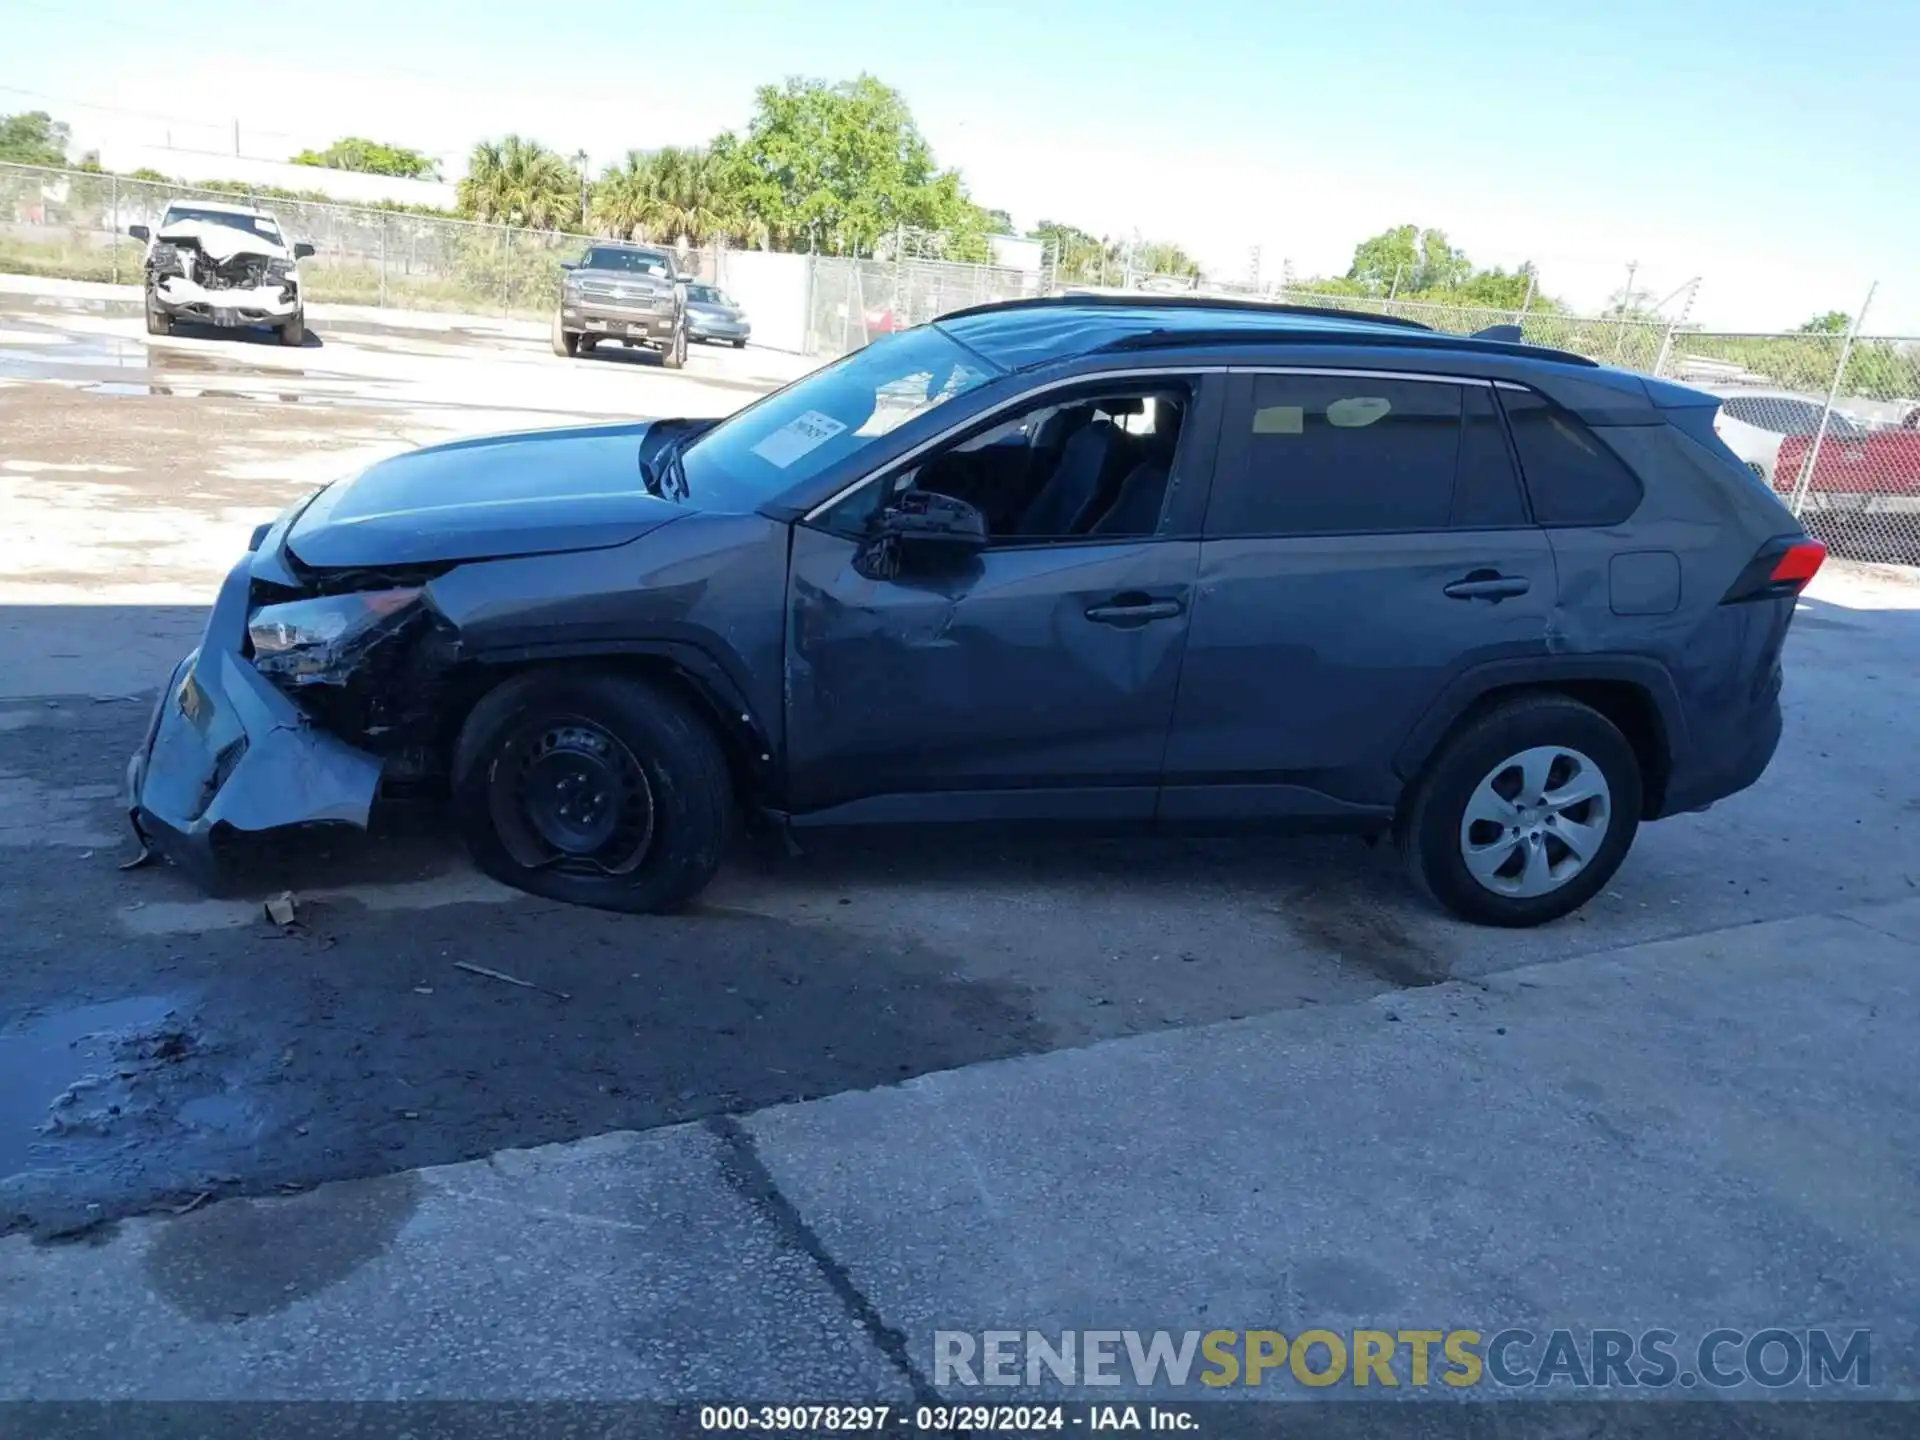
[(1535, 821)]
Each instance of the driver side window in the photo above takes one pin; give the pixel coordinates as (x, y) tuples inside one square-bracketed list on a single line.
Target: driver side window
[(1089, 466)]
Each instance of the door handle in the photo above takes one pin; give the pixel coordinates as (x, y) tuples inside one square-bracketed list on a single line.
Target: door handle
[(1132, 610), (1488, 585)]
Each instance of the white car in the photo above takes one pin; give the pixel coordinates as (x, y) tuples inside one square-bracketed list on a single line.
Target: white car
[(1752, 423), (225, 265)]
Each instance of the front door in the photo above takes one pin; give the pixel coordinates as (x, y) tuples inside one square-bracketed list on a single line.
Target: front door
[(1035, 680), (1366, 540)]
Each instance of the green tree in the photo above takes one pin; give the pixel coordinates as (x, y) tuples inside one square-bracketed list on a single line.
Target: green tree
[(1499, 289), (1080, 258), (1407, 259), (371, 157), (837, 166), (670, 194), (998, 222), (1834, 322), (33, 138), (1159, 257), (517, 181)]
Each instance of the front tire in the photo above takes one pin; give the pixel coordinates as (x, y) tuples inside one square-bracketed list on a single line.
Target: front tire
[(592, 788), (1524, 814), (739, 344), (674, 357), (565, 342), (294, 330), (158, 321)]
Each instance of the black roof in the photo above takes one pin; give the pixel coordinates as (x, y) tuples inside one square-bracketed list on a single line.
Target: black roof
[(1020, 334)]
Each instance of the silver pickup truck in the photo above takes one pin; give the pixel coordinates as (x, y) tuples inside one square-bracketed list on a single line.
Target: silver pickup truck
[(633, 294)]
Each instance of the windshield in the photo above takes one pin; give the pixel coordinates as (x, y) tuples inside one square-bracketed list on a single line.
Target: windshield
[(634, 262), (706, 295), (258, 225), (796, 433)]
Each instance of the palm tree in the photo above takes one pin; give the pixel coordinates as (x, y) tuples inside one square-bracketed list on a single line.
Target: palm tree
[(673, 195), (623, 202), (516, 181)]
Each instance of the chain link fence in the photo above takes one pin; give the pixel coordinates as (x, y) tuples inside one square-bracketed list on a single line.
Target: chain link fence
[(852, 302), (1830, 421), (73, 224)]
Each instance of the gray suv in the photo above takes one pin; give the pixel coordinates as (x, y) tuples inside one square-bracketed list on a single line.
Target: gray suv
[(1105, 564), (629, 294)]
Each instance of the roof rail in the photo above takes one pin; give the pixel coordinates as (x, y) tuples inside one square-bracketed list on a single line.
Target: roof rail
[(1187, 302), (1424, 339)]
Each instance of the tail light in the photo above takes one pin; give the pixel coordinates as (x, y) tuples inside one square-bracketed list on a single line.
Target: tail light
[(1780, 571)]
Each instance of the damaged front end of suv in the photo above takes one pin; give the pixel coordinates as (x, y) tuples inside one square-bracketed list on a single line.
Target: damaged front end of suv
[(335, 662), (293, 707)]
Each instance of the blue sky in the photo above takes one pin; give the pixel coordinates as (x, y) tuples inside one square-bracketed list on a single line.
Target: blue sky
[(1770, 148)]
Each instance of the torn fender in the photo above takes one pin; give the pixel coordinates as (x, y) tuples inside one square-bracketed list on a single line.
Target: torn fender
[(226, 750)]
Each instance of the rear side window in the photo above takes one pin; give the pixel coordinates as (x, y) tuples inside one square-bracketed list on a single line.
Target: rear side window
[(1339, 454), (1780, 414), (1486, 488), (1572, 477)]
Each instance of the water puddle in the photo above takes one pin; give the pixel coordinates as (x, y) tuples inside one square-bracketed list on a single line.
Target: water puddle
[(74, 1073)]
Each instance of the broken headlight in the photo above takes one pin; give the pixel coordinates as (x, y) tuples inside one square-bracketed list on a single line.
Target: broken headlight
[(320, 641), (280, 270)]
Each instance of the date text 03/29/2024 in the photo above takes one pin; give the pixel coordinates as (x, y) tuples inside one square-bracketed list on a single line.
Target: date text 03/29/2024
[(945, 1419)]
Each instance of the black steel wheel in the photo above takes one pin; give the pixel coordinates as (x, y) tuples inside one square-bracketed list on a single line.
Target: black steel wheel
[(592, 787)]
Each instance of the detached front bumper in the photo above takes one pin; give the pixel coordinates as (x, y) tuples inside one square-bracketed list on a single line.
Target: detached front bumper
[(253, 305), (226, 752)]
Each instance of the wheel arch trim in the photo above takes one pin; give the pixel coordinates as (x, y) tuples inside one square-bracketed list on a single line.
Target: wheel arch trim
[(1471, 687), (744, 733)]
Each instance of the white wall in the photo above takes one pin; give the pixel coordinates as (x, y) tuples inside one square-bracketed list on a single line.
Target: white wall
[(772, 289), (347, 186)]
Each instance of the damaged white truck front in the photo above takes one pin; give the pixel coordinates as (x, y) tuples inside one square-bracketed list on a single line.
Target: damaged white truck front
[(223, 265)]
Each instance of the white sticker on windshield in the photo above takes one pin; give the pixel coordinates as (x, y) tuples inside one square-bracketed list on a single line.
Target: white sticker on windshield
[(798, 437)]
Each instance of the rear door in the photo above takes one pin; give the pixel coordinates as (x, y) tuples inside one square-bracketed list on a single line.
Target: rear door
[(1366, 540)]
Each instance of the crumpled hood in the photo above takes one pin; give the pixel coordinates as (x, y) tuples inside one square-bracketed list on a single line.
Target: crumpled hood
[(221, 243), (533, 493)]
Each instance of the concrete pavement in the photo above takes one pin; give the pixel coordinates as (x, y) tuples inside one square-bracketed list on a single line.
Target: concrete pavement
[(1691, 1133)]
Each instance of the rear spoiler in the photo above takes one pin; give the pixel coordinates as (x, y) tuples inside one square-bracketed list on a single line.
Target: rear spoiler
[(1506, 334)]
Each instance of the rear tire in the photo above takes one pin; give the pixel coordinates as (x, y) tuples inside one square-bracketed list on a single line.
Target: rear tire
[(539, 742), (588, 344), (674, 357), (565, 342), (158, 321), (1522, 752), (294, 330), (739, 344)]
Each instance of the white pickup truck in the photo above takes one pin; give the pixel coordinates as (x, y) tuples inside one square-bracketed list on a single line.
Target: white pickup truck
[(225, 265)]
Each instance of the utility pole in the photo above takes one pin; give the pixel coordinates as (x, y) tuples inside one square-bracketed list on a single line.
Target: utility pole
[(1690, 289), (580, 164), (1526, 301), (1394, 288), (1626, 304), (236, 137)]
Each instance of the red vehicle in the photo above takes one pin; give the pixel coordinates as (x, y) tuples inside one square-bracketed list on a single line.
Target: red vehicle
[(1853, 470)]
